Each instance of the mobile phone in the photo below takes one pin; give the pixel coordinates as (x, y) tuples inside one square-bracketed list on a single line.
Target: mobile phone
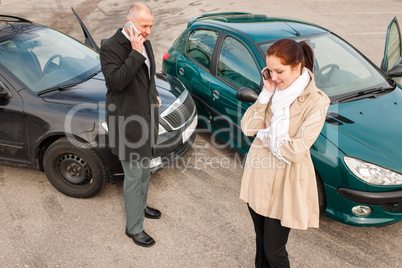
[(128, 24), (265, 74)]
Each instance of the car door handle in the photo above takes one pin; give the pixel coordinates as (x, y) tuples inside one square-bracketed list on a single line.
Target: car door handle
[(181, 71), (216, 94)]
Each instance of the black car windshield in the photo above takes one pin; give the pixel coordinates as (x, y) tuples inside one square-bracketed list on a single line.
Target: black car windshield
[(43, 58), (339, 69)]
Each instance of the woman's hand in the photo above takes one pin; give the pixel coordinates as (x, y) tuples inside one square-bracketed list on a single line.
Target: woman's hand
[(269, 85)]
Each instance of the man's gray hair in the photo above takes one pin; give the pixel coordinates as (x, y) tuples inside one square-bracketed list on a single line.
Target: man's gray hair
[(136, 8)]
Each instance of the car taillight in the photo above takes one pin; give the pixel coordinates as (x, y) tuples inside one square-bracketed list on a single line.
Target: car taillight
[(165, 56)]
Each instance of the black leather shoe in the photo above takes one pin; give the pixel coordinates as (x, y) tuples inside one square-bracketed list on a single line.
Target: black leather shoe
[(152, 213), (141, 239)]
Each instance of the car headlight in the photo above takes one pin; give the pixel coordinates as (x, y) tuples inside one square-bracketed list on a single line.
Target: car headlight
[(371, 173), (105, 127), (162, 130)]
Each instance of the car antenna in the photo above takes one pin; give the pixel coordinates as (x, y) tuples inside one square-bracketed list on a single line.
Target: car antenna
[(296, 31)]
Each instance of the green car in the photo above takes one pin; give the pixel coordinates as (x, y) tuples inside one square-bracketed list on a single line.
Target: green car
[(357, 156)]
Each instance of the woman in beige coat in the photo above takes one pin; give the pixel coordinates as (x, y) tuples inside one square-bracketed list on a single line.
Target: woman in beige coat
[(279, 183)]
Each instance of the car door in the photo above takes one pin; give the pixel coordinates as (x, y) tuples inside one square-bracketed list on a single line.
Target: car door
[(393, 47), (236, 67), (12, 127), (89, 41), (194, 69)]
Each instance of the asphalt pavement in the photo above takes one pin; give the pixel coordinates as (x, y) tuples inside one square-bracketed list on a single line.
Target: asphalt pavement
[(204, 223)]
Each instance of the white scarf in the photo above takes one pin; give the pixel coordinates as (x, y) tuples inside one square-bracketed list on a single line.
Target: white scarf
[(278, 132)]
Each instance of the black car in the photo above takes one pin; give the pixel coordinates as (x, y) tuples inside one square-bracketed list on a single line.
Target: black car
[(52, 109)]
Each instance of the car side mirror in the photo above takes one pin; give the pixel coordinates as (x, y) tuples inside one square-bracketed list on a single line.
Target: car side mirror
[(246, 94), (396, 71), (4, 92)]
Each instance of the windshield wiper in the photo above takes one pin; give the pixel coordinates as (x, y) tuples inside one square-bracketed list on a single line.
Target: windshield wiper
[(368, 93), (59, 87), (62, 87)]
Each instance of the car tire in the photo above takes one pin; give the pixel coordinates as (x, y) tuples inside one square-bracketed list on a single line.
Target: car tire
[(322, 201), (74, 168)]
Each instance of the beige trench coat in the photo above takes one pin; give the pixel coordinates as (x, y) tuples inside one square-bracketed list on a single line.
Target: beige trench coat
[(273, 188)]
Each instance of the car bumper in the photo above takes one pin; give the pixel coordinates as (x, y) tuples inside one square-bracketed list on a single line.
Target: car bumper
[(386, 207), (373, 198), (173, 145), (164, 161), (169, 148)]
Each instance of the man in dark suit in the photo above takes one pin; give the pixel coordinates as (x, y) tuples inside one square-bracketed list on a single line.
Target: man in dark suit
[(132, 104)]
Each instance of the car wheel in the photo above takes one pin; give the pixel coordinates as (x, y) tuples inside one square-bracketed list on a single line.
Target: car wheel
[(322, 201), (74, 168)]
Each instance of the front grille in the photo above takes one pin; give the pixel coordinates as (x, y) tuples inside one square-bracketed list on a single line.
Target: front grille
[(181, 114), (394, 207)]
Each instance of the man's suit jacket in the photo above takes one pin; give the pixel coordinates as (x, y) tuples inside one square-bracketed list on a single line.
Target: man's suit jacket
[(131, 99)]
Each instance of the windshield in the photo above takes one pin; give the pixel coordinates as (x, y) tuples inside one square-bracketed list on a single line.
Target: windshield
[(43, 58), (339, 69)]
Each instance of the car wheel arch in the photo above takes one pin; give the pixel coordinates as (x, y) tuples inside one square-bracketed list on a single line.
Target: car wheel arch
[(47, 141), (322, 201), (42, 147)]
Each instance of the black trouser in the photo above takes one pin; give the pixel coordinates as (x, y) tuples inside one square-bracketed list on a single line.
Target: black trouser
[(271, 238)]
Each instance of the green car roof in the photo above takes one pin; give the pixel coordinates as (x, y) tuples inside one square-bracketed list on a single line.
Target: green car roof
[(263, 28)]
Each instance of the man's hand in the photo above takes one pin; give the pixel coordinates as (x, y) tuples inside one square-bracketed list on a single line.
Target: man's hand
[(137, 40), (159, 101)]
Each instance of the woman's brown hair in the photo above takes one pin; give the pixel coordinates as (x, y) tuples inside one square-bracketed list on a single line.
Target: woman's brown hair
[(292, 53)]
